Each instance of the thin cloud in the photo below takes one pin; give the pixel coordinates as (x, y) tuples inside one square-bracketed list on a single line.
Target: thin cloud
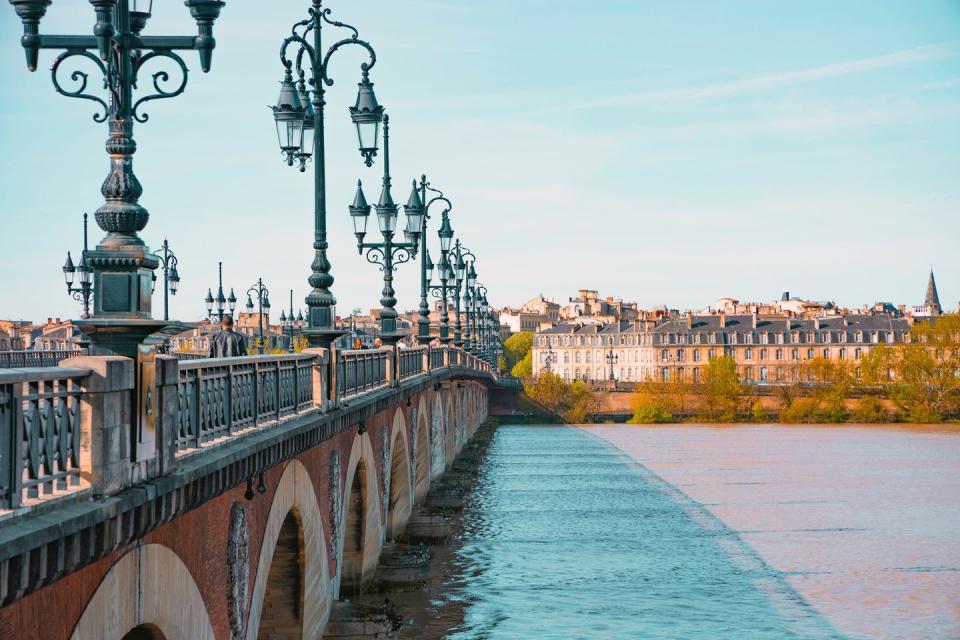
[(776, 80)]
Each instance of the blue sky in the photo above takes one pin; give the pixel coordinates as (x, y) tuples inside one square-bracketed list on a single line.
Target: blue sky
[(668, 152)]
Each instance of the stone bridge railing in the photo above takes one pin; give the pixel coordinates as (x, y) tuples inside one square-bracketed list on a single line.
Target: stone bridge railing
[(71, 429)]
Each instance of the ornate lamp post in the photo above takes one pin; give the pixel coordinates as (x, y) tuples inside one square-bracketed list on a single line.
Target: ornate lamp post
[(220, 306), (121, 265), (446, 275), (171, 277), (470, 298), (423, 321), (263, 306), (612, 360), (388, 254), (300, 129), (460, 269), (549, 357), (292, 323), (85, 290)]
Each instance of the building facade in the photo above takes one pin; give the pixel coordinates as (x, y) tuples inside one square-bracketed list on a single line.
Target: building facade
[(767, 350)]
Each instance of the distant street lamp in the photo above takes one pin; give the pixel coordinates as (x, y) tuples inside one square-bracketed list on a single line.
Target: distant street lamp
[(299, 118), (121, 265), (460, 270), (171, 277), (220, 306), (85, 290), (549, 357), (263, 306), (387, 254), (292, 323), (612, 360)]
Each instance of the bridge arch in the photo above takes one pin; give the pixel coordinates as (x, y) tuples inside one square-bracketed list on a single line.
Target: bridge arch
[(450, 422), (147, 594), (362, 528), (422, 479), (293, 543), (400, 500)]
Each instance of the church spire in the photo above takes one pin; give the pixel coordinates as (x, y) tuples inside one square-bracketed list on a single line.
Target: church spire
[(933, 300)]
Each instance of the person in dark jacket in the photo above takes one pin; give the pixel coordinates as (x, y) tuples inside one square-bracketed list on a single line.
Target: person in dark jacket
[(227, 343)]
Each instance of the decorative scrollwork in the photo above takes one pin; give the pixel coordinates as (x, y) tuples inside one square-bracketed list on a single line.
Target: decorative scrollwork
[(337, 23), (158, 78), (365, 66), (400, 256), (80, 77), (375, 256)]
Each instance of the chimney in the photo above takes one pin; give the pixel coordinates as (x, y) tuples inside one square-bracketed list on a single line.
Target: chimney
[(723, 319), (58, 322), (816, 323), (753, 317), (689, 320), (49, 320)]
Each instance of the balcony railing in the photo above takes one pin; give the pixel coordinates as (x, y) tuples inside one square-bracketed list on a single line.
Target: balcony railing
[(218, 397), (39, 433), (23, 359), (411, 362), (359, 371)]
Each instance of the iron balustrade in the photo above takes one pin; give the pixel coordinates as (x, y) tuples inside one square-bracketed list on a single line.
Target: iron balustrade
[(29, 358), (39, 432), (359, 371), (411, 362), (217, 397), (436, 358), (190, 355)]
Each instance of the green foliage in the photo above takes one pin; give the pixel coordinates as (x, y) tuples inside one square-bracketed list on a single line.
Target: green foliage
[(651, 414), (722, 389), (870, 410), (757, 412), (799, 410), (524, 368), (573, 402), (516, 348)]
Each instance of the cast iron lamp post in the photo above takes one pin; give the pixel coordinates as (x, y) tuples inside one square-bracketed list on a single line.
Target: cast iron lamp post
[(460, 270), (470, 301), (82, 293), (171, 277), (263, 306), (224, 306), (549, 357), (300, 129), (292, 323), (423, 321), (445, 274), (612, 360), (121, 265), (387, 254)]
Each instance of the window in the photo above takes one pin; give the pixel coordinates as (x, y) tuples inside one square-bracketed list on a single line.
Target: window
[(890, 337), (713, 338), (696, 338), (794, 354), (680, 355), (763, 374), (576, 358), (842, 336), (858, 336), (589, 356), (826, 353), (857, 353), (809, 354), (733, 337), (748, 338), (763, 354), (824, 337), (665, 355), (748, 354), (843, 353), (664, 374), (711, 354), (779, 354), (779, 338), (696, 375), (764, 337), (696, 355)]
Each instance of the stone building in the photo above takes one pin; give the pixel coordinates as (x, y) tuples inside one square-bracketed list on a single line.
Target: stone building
[(765, 349)]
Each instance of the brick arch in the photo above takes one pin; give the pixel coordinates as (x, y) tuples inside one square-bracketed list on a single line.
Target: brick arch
[(149, 587), (400, 501), (450, 424), (437, 437), (362, 530), (422, 454), (295, 496)]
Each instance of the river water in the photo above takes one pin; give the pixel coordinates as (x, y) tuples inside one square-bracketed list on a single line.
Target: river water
[(689, 532)]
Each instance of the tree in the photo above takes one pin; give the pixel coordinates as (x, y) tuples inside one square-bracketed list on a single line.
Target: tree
[(515, 349), (524, 368), (722, 389), (926, 385)]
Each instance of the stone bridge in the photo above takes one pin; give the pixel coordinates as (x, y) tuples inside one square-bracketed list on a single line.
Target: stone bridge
[(234, 498)]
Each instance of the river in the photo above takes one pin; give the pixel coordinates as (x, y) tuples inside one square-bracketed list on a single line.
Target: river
[(747, 532)]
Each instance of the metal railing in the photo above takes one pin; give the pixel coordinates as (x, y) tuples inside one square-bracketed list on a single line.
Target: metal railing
[(30, 358), (190, 355), (436, 358), (219, 396), (39, 432), (359, 371), (411, 362)]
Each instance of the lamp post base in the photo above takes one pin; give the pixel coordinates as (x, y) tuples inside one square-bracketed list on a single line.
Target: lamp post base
[(122, 336), (322, 338)]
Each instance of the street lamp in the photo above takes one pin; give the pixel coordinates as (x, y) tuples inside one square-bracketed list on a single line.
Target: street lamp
[(85, 290), (423, 321), (549, 357), (387, 254), (263, 306), (171, 277), (612, 360), (121, 265), (460, 269), (299, 118), (220, 306), (292, 323)]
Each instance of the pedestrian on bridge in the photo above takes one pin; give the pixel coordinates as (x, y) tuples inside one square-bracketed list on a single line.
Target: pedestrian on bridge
[(227, 343)]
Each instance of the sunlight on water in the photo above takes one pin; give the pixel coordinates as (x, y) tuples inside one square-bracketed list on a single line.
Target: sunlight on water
[(567, 538)]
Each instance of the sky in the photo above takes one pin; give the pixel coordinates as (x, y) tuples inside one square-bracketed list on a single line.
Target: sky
[(665, 152)]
